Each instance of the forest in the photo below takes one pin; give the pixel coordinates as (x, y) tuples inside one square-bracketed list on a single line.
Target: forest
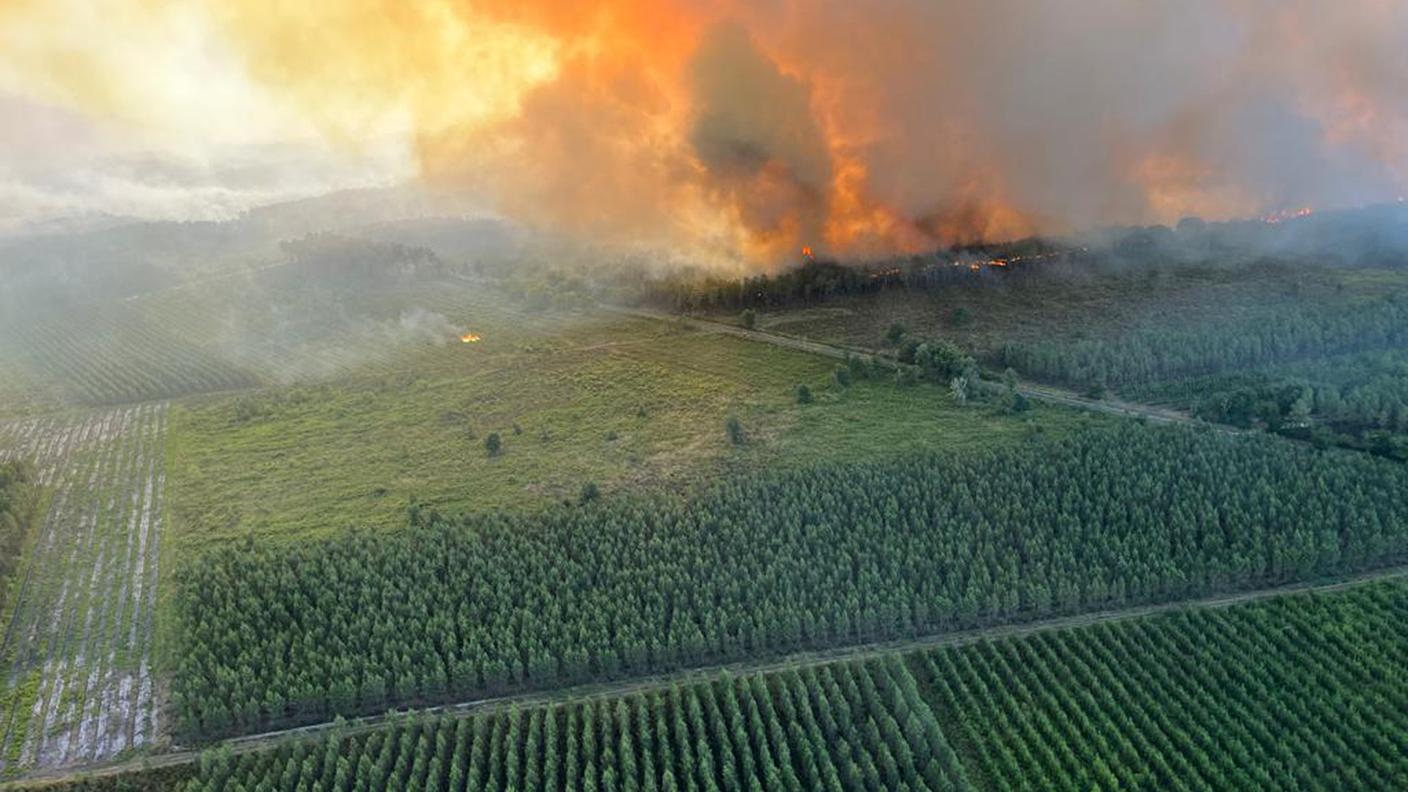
[(1303, 692), (1296, 692), (459, 607)]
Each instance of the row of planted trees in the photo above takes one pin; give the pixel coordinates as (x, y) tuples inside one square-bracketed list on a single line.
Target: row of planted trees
[(1303, 692), (832, 728), (1299, 692), (1172, 351), (457, 608)]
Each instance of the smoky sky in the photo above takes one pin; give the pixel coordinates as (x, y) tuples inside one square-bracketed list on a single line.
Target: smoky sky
[(743, 130)]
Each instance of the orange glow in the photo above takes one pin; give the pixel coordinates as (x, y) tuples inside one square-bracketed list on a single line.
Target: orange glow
[(1287, 214), (733, 132), (469, 338), (807, 253)]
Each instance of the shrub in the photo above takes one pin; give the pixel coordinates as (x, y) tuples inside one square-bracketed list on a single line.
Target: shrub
[(734, 429)]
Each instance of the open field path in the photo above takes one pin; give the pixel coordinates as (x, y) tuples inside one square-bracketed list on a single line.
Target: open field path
[(254, 742), (76, 659)]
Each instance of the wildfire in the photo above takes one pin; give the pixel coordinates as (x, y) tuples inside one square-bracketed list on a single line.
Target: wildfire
[(732, 131), (1287, 214), (469, 338)]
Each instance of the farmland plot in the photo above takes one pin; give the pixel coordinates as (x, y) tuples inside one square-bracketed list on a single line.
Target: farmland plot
[(77, 649)]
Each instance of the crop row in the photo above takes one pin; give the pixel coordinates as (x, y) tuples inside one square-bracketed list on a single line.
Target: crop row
[(78, 677), (114, 356)]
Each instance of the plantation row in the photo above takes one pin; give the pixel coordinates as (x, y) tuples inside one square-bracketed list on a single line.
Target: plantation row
[(114, 355), (835, 555), (1303, 692), (1306, 691), (78, 684), (855, 726), (1260, 337)]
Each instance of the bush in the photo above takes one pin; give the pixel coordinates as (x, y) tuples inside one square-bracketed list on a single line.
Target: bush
[(860, 368), (493, 444), (843, 376), (895, 334), (590, 492), (804, 394), (749, 318), (735, 430)]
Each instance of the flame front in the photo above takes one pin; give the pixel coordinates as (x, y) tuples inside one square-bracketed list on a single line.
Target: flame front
[(1287, 214), (734, 131), (469, 338)]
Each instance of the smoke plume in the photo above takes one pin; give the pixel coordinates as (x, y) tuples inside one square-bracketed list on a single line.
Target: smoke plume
[(741, 131)]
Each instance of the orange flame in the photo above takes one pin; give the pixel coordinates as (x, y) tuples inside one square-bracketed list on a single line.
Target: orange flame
[(807, 253), (469, 338), (1287, 214)]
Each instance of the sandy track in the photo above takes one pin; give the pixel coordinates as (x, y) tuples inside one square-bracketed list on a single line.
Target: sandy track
[(77, 651)]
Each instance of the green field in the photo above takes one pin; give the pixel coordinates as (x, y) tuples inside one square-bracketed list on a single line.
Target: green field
[(587, 397)]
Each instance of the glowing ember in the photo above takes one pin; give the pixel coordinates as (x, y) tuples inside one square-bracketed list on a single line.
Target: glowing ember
[(469, 338), (807, 253), (1287, 214)]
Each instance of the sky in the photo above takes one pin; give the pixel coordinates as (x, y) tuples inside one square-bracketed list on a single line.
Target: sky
[(735, 130)]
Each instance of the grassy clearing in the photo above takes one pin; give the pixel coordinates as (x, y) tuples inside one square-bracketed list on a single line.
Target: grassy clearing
[(595, 397)]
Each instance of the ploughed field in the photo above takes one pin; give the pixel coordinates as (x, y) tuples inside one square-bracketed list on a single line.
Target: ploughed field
[(78, 679)]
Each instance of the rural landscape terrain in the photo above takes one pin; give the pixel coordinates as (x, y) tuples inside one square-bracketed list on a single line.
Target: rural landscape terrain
[(456, 524), (703, 397)]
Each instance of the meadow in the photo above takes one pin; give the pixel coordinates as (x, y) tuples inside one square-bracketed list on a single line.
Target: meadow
[(576, 398)]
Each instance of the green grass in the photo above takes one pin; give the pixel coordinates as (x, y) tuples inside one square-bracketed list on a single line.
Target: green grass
[(617, 401)]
